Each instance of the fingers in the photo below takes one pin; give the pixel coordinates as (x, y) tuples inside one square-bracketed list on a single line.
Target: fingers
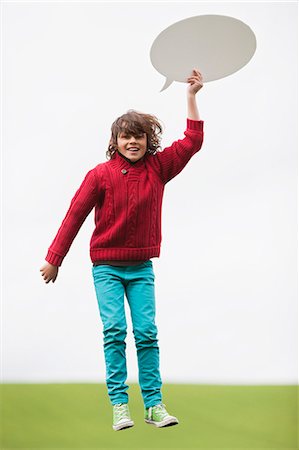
[(194, 80), (196, 77), (47, 276), (197, 72)]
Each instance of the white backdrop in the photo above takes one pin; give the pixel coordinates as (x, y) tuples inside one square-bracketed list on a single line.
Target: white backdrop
[(226, 279)]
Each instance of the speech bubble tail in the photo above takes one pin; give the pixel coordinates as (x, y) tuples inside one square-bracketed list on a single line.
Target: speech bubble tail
[(167, 83)]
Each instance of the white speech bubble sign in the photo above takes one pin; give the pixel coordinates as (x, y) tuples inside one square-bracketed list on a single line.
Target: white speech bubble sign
[(216, 45)]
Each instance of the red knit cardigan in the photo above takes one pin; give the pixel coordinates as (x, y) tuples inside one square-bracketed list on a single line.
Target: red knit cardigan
[(128, 202)]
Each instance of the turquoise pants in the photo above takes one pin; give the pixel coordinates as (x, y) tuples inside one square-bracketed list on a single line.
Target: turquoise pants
[(137, 283)]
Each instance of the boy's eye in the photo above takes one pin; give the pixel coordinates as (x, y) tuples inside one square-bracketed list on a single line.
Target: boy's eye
[(127, 136)]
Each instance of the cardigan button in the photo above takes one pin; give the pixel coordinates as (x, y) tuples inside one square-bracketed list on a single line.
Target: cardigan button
[(124, 171)]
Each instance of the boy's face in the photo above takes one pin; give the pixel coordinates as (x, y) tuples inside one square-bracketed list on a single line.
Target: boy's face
[(132, 147)]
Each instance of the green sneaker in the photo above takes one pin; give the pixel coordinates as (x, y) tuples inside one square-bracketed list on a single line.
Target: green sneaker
[(158, 416), (121, 417)]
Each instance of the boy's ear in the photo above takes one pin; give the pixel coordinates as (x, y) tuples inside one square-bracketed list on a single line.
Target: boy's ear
[(112, 144)]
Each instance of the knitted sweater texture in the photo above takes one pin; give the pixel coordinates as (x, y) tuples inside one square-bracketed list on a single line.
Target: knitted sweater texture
[(127, 202)]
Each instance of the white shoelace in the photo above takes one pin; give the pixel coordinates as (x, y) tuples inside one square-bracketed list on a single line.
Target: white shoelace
[(121, 411), (159, 406)]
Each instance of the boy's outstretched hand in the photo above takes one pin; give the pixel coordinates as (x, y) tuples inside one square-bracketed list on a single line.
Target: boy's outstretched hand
[(49, 272), (196, 82)]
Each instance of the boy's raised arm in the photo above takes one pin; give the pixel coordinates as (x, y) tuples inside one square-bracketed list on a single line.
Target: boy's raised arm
[(195, 85), (171, 161)]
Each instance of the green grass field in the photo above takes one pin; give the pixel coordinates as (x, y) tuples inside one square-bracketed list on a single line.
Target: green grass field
[(65, 416)]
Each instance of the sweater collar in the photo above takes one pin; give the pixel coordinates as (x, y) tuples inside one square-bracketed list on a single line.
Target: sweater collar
[(127, 159), (120, 161)]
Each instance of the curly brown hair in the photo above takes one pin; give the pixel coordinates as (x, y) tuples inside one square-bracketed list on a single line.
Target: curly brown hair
[(136, 123)]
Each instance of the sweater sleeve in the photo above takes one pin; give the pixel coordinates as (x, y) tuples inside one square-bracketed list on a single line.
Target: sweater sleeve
[(173, 159), (81, 205)]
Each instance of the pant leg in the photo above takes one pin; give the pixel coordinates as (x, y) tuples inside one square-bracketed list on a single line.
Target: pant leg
[(109, 288), (140, 292)]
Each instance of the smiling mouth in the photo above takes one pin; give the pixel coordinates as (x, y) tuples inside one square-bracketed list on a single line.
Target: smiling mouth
[(133, 149)]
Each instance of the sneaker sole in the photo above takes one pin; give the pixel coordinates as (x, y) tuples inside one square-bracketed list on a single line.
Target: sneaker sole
[(165, 423), (123, 426)]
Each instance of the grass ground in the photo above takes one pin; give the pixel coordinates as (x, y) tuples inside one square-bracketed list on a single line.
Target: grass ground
[(79, 416)]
